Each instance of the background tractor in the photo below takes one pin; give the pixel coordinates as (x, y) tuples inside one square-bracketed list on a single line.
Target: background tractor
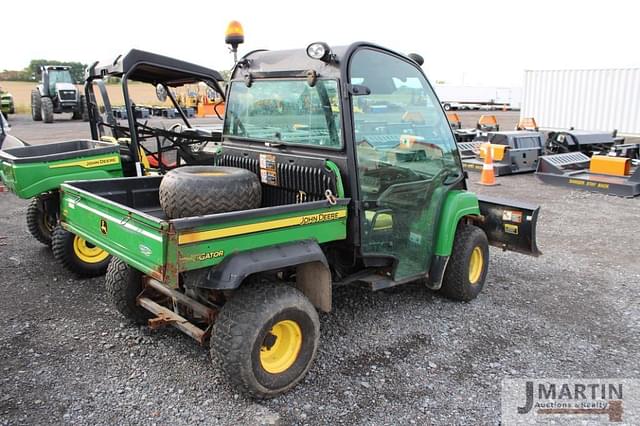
[(56, 94)]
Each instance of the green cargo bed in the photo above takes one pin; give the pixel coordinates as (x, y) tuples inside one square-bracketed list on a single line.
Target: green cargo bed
[(124, 217), (32, 170)]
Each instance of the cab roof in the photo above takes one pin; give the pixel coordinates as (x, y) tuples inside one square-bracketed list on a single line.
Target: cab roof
[(296, 62), (272, 62)]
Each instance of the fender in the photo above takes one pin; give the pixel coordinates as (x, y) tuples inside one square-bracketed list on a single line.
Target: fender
[(457, 205), (306, 255)]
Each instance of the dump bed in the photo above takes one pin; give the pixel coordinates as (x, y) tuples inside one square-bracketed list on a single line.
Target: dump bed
[(124, 217), (32, 170)]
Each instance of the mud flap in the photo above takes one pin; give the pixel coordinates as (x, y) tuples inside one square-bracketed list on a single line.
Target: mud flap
[(510, 225)]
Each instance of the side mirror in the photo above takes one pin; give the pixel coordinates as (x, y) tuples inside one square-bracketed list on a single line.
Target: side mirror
[(161, 93)]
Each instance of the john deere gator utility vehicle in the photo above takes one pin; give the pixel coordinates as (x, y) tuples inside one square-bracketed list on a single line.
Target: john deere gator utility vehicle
[(134, 148), (307, 192)]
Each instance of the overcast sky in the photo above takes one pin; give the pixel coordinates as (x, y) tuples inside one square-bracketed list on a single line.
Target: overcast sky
[(482, 42)]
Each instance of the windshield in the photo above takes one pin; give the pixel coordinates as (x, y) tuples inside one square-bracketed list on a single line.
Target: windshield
[(60, 76), (285, 111)]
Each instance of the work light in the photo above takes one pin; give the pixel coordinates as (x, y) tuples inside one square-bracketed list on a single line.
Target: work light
[(319, 50)]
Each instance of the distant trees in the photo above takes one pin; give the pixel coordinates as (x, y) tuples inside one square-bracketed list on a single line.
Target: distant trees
[(33, 70)]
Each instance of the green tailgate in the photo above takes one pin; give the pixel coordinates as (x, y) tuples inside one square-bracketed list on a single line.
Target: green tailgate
[(138, 239), (32, 170)]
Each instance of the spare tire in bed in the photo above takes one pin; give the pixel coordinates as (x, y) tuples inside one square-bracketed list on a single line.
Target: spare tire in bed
[(199, 190)]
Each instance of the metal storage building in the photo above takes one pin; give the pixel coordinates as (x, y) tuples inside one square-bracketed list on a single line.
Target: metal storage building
[(594, 99)]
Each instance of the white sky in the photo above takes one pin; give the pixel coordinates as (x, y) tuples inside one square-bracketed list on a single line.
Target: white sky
[(481, 42)]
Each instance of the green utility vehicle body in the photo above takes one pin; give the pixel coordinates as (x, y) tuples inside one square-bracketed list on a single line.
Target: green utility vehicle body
[(30, 171), (123, 217)]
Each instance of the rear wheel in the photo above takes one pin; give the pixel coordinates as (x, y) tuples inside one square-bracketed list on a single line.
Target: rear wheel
[(265, 338), (467, 268), (39, 222), (36, 106), (78, 255), (124, 284), (47, 110)]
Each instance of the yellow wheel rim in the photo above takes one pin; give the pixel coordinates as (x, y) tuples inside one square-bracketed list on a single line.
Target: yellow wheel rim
[(87, 252), (475, 265), (281, 347)]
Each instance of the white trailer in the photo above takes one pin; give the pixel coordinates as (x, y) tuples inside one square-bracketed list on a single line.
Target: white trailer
[(475, 97), (595, 99)]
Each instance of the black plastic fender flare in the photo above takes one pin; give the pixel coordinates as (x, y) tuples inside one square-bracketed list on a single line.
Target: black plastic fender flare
[(233, 270)]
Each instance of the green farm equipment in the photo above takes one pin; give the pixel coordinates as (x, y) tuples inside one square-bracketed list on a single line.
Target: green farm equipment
[(134, 149), (332, 195), (7, 105)]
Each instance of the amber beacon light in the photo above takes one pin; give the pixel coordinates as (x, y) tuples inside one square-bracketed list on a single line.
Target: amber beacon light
[(234, 36)]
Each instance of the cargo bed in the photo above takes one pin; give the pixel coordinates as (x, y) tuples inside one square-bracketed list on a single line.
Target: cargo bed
[(124, 217), (32, 170)]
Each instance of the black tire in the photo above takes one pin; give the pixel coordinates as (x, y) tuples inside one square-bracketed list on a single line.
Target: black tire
[(36, 105), (84, 108), (244, 326), (447, 107), (81, 110), (458, 283), (124, 284), (200, 190), (39, 223), (47, 110), (65, 246)]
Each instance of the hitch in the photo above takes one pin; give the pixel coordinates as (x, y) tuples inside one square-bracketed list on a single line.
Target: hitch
[(165, 316)]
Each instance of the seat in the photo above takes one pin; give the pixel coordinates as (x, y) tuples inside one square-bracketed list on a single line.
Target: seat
[(383, 221)]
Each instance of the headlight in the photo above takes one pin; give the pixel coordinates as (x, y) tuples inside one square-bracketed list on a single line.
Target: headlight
[(319, 50)]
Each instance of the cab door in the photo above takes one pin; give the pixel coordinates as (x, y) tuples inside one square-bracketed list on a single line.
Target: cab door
[(405, 155)]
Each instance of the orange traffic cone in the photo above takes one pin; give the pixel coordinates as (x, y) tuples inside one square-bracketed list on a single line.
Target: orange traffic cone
[(487, 177)]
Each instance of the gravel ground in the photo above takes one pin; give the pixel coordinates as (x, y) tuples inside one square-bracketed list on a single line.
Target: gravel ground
[(402, 356)]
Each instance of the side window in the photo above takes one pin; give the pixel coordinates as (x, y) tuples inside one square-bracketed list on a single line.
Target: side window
[(405, 150), (400, 122)]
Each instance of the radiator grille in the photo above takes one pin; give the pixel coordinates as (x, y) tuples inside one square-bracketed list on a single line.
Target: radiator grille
[(67, 95), (296, 183)]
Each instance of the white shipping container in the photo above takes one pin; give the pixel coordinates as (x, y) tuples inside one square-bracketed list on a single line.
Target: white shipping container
[(599, 99)]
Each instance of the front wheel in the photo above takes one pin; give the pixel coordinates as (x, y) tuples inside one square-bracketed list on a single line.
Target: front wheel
[(265, 338), (468, 264), (78, 255), (47, 110)]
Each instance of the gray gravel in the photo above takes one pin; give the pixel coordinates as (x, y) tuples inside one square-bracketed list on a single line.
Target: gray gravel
[(401, 356)]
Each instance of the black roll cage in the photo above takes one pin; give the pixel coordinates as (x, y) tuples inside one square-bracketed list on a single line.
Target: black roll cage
[(144, 67)]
